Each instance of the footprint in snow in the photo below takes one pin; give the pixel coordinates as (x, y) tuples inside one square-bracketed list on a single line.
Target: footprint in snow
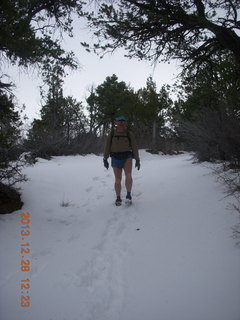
[(65, 222), (88, 189), (138, 194), (42, 253)]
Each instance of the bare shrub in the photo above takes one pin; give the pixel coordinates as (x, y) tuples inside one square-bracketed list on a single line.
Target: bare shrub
[(214, 134), (231, 179)]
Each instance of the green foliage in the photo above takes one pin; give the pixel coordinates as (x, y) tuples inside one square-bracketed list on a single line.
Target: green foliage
[(149, 99), (9, 123), (214, 83), (109, 100), (153, 106), (62, 122), (208, 115), (92, 109), (153, 102), (111, 96), (145, 109)]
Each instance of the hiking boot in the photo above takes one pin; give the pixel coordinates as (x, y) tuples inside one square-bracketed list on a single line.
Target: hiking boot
[(128, 197), (118, 202), (128, 200)]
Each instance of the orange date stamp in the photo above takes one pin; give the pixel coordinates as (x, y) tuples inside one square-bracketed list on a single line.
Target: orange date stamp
[(25, 264)]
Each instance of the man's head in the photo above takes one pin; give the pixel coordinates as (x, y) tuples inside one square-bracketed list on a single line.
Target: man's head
[(121, 122)]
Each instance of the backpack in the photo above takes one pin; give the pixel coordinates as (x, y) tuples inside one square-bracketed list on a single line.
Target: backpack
[(121, 155), (127, 136)]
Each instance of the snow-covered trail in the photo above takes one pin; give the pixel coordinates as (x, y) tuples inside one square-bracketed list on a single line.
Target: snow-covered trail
[(169, 256)]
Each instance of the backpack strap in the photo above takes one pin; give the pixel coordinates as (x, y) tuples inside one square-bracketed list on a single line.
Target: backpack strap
[(128, 136)]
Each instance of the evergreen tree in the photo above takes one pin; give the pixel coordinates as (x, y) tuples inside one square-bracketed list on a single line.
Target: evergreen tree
[(207, 116), (110, 99), (92, 108), (10, 124), (62, 120), (153, 105)]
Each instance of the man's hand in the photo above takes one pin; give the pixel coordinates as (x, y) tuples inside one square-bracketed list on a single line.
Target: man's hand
[(137, 164), (106, 164)]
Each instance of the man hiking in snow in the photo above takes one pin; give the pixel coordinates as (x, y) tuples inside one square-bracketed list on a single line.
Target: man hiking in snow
[(122, 148)]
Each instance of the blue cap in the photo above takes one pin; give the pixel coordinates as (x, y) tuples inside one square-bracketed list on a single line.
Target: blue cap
[(121, 118)]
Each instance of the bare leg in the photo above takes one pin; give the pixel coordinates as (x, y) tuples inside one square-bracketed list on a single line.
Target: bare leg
[(118, 178), (128, 174)]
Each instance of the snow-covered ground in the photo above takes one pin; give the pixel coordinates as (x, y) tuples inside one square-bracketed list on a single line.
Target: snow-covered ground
[(170, 256)]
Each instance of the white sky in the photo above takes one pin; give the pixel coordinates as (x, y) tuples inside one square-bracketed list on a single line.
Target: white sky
[(92, 72)]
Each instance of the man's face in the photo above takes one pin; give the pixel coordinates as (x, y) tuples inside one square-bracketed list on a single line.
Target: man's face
[(121, 124)]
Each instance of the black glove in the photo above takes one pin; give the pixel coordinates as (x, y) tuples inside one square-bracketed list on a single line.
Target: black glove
[(106, 164), (137, 164)]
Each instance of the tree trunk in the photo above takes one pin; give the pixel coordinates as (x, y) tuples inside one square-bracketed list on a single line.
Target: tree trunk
[(154, 140)]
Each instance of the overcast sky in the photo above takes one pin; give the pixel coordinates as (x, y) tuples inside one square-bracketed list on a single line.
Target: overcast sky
[(92, 72)]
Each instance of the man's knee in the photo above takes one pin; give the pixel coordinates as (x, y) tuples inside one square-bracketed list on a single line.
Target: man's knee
[(118, 180), (128, 176)]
